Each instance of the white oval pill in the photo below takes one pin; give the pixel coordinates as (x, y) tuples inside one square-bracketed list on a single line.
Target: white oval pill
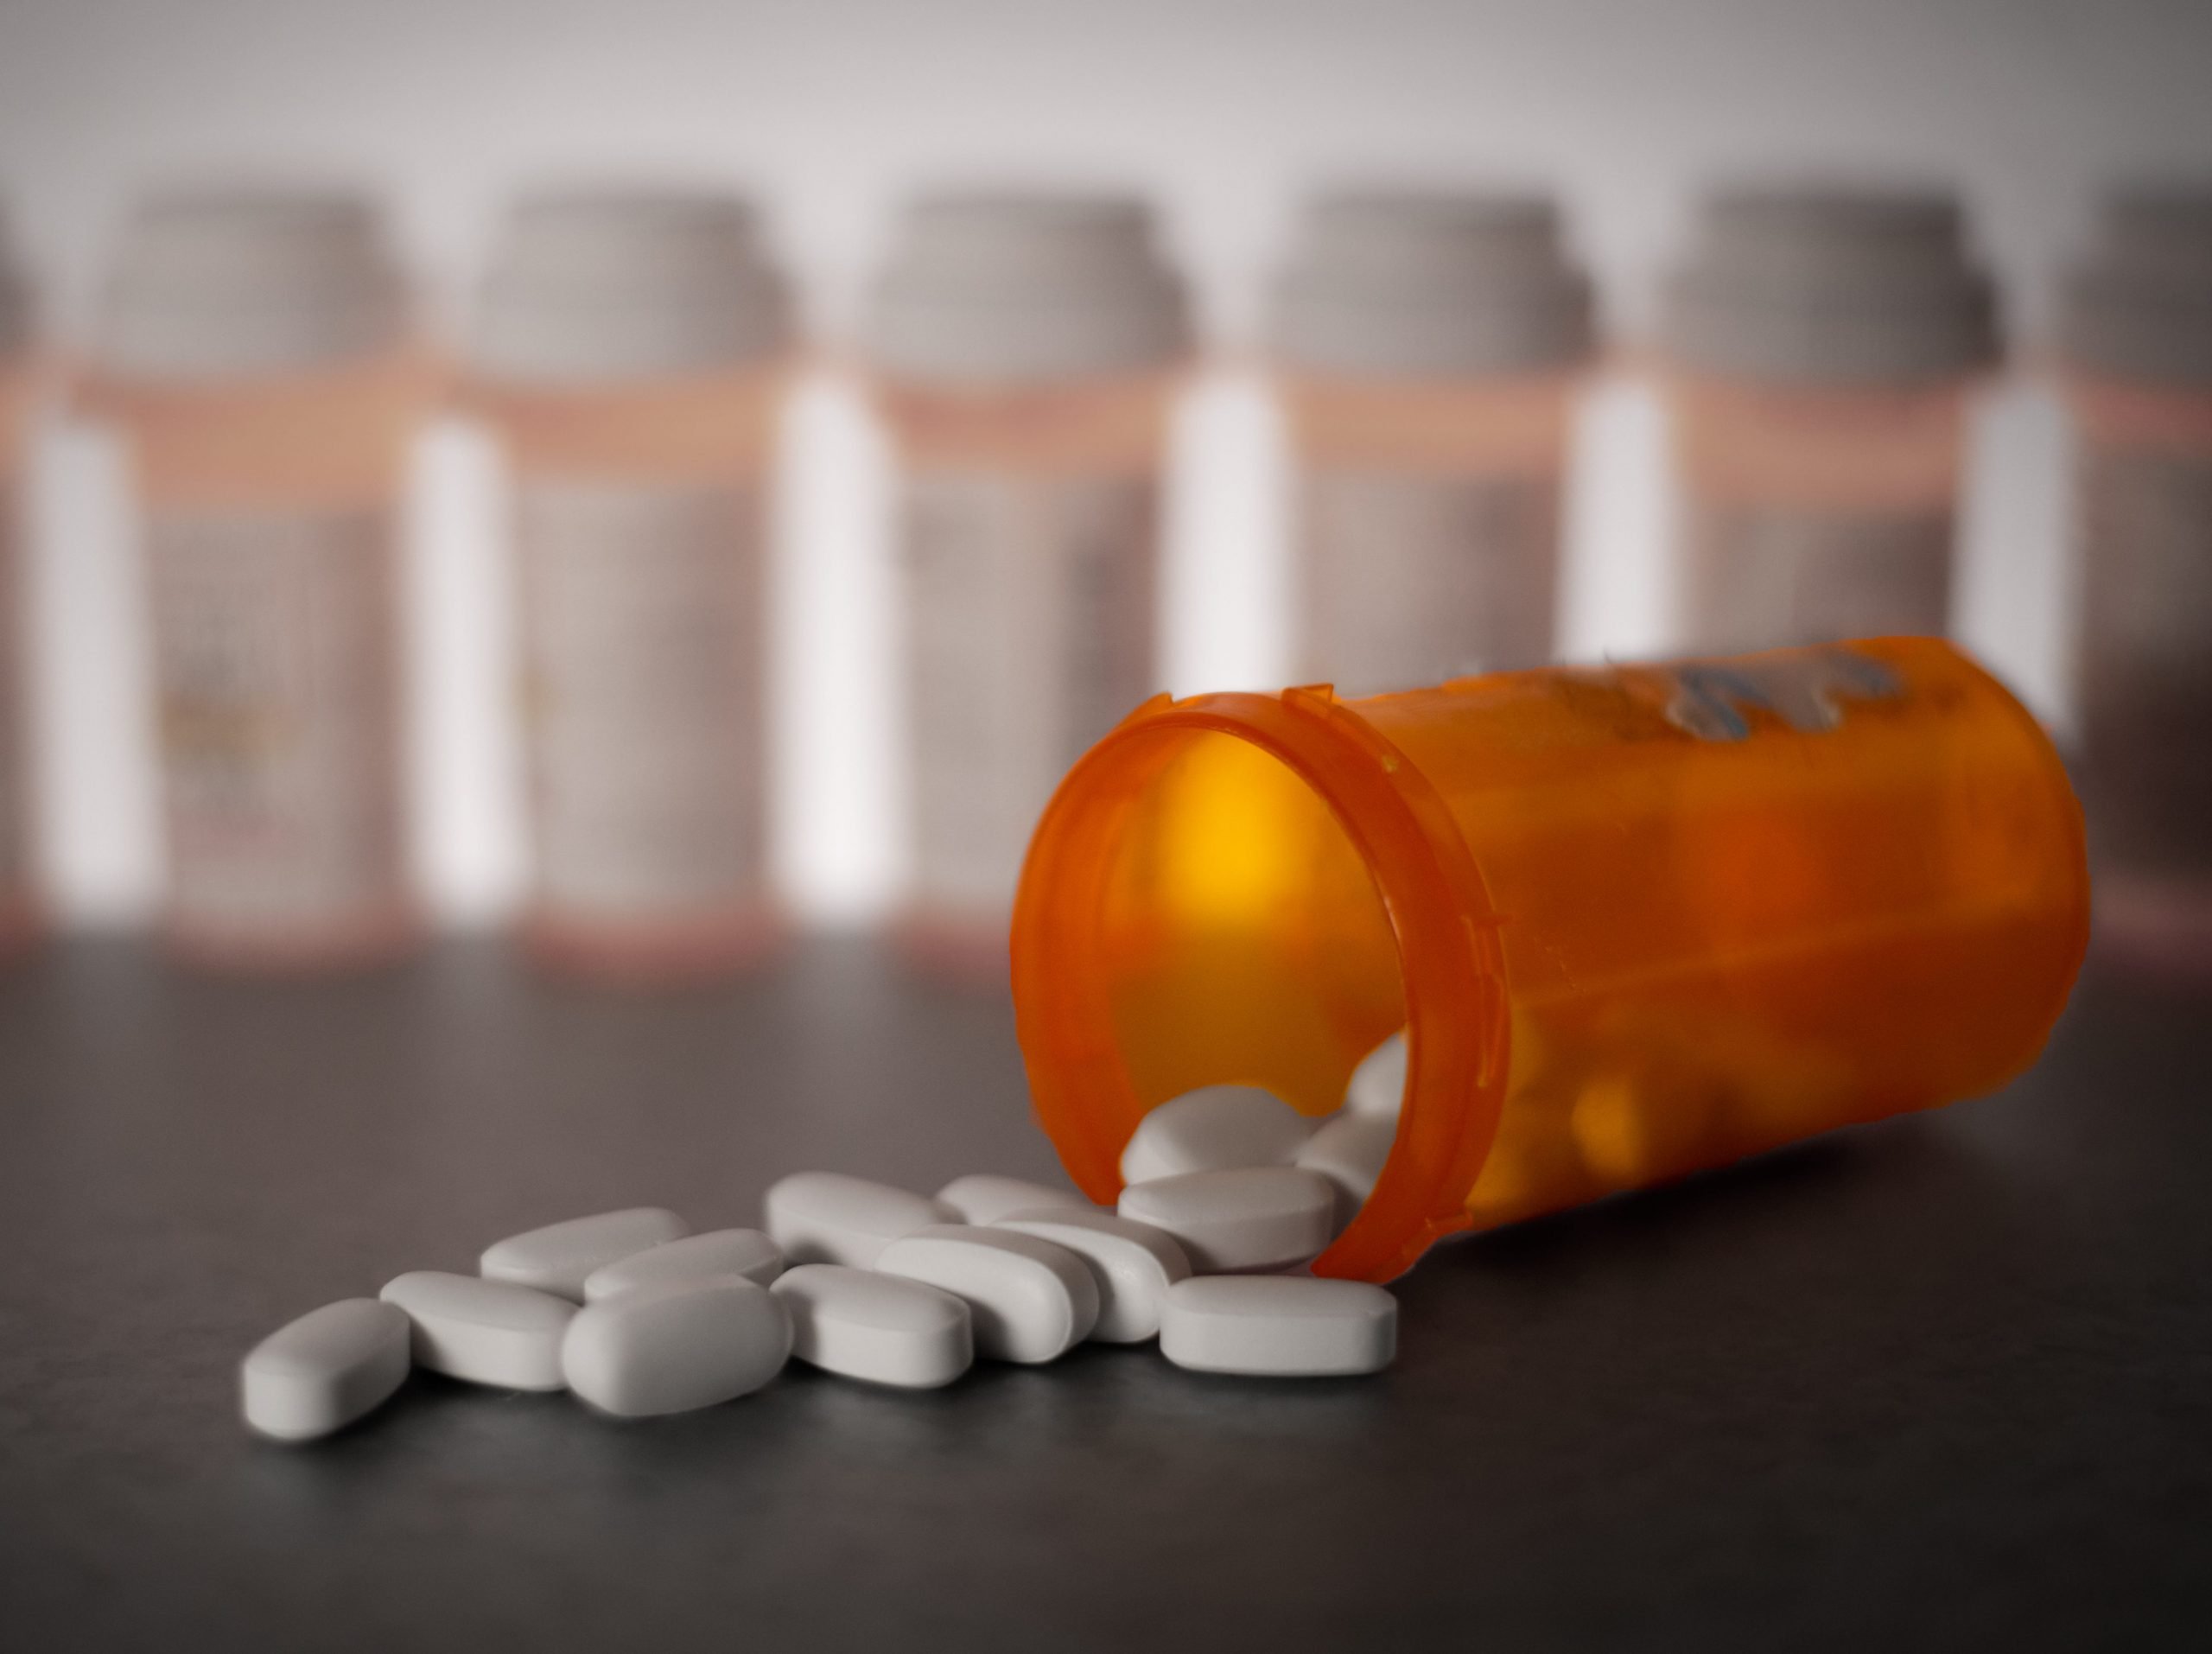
[(676, 1346), (828, 1218), (746, 1252), (1029, 1299), (1350, 1150), (1132, 1264), (322, 1371), (486, 1331), (1378, 1085), (1279, 1326), (881, 1327), (557, 1258), (1212, 1130), (984, 1197), (1260, 1218)]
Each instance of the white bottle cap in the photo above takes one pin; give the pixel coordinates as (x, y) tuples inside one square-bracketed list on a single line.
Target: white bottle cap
[(1830, 286), (224, 282), (595, 285), (1427, 285), (15, 318), (2141, 306), (992, 288)]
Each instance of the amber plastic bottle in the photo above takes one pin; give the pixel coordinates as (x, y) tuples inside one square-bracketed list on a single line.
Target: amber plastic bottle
[(19, 904), (2136, 353), (1026, 350), (1817, 350), (1638, 920), (254, 350), (1430, 347), (631, 350)]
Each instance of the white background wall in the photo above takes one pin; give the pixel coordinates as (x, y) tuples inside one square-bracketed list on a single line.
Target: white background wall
[(833, 109)]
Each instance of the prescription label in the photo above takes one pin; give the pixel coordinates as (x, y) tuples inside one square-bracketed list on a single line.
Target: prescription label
[(2145, 660), (1414, 580), (642, 622), (274, 652), (1761, 577), (1030, 605), (15, 803)]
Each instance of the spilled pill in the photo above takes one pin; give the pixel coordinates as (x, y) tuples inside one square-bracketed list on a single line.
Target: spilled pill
[(984, 1198), (1350, 1150), (676, 1346), (1378, 1085), (1028, 1299), (1254, 1217), (1133, 1264), (322, 1371), (1214, 1129), (746, 1252), (557, 1258), (828, 1218), (884, 1328), (1279, 1326), (486, 1332)]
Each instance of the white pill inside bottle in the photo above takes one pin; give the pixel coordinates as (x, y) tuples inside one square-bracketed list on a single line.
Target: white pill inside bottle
[(828, 1217), (1029, 1301), (881, 1328), (321, 1373), (484, 1332), (1259, 1217), (676, 1346), (1350, 1150), (559, 1257), (1216, 1128), (1378, 1085)]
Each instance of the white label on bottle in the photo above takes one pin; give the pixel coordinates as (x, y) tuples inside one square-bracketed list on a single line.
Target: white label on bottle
[(1031, 606), (15, 803), (1762, 576), (1413, 580), (642, 632), (2147, 527), (274, 656)]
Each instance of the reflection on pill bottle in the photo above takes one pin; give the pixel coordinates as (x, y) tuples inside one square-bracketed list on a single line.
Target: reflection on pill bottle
[(19, 386), (1431, 345), (1817, 350), (2136, 361), (632, 349), (1026, 351), (254, 349), (1639, 920)]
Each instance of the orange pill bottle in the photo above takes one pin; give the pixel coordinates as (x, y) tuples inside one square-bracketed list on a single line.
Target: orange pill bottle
[(631, 350), (256, 352), (1819, 346), (1638, 922)]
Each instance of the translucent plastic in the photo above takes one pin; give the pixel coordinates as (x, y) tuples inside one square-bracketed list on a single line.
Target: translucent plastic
[(19, 907), (640, 540), (270, 513), (2144, 665), (1429, 525), (1815, 514), (1030, 548), (1639, 921)]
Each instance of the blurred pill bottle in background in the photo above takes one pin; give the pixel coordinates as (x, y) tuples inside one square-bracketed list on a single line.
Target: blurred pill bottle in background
[(1025, 352), (1430, 347), (1816, 351), (632, 348), (254, 349), (2135, 350), (19, 381)]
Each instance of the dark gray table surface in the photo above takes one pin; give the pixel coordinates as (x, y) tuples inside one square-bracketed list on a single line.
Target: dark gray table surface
[(1942, 1382)]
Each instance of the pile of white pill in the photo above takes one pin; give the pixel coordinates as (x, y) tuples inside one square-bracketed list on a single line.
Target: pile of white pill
[(1231, 1194)]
